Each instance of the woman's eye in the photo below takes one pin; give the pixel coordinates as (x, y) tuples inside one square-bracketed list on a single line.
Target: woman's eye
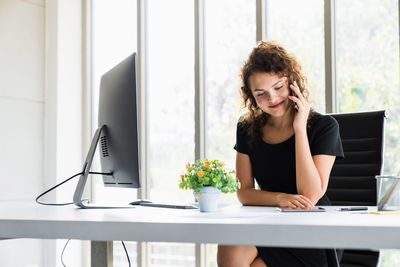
[(260, 94), (279, 88)]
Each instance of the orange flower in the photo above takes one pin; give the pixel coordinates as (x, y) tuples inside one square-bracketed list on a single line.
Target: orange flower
[(234, 172), (199, 195), (200, 173), (206, 164), (187, 165), (222, 164), (181, 176)]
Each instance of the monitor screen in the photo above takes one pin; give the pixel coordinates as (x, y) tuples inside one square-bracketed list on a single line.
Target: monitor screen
[(117, 133), (119, 146)]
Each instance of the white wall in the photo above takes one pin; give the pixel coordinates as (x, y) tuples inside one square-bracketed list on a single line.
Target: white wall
[(22, 61), (21, 98), (40, 114), (63, 112)]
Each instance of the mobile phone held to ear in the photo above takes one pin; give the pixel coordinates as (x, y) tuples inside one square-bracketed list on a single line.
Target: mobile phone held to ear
[(292, 93)]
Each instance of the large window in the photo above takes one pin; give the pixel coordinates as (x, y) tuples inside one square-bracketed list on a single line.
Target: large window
[(368, 65), (170, 112), (230, 34), (367, 50), (299, 27), (114, 38), (171, 96)]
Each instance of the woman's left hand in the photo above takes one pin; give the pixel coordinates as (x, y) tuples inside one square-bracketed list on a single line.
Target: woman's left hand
[(303, 108)]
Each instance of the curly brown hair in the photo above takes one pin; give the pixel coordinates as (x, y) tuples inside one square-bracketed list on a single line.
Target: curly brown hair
[(269, 57)]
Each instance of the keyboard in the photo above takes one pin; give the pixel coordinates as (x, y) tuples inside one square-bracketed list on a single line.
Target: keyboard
[(147, 203)]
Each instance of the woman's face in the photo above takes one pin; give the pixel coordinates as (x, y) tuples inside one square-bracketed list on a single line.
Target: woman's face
[(270, 92)]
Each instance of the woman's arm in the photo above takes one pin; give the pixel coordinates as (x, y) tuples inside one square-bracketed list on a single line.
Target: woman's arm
[(312, 172), (248, 195)]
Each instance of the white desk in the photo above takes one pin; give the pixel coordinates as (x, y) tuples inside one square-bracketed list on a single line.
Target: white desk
[(233, 225)]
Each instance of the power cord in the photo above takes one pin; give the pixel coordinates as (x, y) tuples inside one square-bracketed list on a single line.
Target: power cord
[(62, 253), (336, 257), (126, 253), (63, 182), (69, 203), (122, 242)]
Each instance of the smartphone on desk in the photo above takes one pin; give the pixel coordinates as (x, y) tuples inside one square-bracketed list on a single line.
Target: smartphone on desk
[(313, 209)]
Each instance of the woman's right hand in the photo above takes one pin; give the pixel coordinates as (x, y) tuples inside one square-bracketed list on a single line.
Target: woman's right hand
[(294, 201)]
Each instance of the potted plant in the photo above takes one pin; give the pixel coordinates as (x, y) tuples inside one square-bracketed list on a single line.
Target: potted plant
[(208, 179)]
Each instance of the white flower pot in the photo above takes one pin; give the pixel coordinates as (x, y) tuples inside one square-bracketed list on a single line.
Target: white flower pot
[(208, 199)]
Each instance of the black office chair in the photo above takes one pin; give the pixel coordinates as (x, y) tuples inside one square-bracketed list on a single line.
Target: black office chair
[(352, 181)]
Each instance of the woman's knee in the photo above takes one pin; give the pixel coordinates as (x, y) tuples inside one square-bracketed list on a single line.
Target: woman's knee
[(233, 256)]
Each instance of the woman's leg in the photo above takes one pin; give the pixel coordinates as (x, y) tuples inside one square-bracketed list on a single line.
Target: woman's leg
[(236, 256)]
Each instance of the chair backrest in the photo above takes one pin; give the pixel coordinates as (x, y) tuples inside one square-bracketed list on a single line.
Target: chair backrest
[(352, 181)]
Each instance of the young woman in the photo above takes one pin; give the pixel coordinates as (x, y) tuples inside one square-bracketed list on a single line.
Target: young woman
[(285, 146)]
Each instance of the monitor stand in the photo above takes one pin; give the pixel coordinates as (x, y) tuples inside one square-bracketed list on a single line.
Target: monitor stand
[(85, 172)]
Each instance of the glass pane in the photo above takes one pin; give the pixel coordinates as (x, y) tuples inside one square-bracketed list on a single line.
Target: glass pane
[(172, 254), (368, 72), (299, 27), (114, 38), (171, 112), (230, 34), (171, 96), (368, 65), (211, 253)]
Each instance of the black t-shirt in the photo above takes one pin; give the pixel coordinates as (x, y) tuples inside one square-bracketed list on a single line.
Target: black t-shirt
[(274, 165)]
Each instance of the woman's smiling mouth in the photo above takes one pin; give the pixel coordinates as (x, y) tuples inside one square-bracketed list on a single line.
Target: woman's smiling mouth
[(277, 105)]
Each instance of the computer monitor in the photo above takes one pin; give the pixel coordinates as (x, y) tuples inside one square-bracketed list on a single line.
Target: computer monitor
[(117, 132)]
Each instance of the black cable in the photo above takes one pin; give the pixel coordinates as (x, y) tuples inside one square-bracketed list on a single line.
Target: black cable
[(63, 182), (126, 252), (51, 189), (65, 246), (62, 253), (68, 203)]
